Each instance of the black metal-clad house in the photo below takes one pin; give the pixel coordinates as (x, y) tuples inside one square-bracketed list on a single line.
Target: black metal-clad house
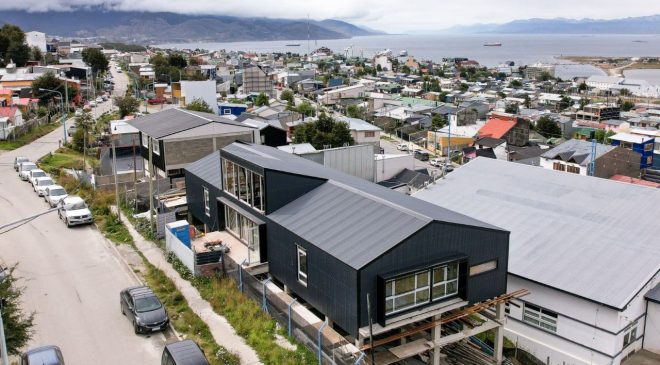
[(331, 238)]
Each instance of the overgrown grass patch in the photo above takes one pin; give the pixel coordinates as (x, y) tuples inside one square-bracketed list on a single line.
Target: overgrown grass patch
[(34, 134)]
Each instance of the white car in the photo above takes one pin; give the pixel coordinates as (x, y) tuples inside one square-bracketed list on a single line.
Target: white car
[(99, 100), (33, 174), (78, 112), (41, 183), (24, 170), (53, 194), (18, 161), (92, 104), (402, 147), (73, 211), (437, 162)]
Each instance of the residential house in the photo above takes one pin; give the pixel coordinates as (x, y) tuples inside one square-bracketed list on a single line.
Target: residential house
[(573, 239), (256, 80), (642, 145), (10, 118), (514, 130), (362, 131), (576, 155), (184, 92), (36, 39), (173, 138), (332, 240), (231, 109), (271, 131), (333, 96), (598, 113)]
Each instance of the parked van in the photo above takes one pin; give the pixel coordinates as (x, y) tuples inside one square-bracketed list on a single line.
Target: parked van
[(183, 353), (49, 355)]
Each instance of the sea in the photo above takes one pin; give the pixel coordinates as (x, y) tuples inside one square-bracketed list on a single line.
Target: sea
[(521, 49)]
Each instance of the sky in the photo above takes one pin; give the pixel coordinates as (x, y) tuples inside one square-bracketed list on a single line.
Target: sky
[(392, 16)]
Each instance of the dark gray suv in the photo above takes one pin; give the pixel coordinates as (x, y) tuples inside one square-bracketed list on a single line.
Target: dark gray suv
[(142, 307)]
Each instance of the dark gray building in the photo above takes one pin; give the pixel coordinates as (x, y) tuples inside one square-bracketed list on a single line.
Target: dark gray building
[(332, 239)]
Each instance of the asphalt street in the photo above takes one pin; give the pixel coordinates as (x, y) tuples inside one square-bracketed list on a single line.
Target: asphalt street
[(72, 277)]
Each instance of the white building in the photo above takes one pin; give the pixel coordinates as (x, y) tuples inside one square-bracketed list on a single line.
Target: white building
[(603, 82), (362, 131), (204, 90), (36, 39), (384, 62), (586, 249)]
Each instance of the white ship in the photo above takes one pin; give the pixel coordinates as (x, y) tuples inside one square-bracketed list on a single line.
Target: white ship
[(403, 53)]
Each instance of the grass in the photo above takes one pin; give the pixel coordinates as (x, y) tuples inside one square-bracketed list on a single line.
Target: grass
[(184, 320), (34, 134), (63, 158), (644, 66)]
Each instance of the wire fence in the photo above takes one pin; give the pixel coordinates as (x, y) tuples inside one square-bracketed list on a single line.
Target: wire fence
[(11, 132), (300, 323)]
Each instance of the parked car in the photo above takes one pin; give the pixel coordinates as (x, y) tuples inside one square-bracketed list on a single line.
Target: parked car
[(41, 183), (78, 112), (33, 174), (402, 147), (99, 100), (24, 169), (53, 194), (437, 162), (45, 355), (154, 101), (422, 155), (119, 71), (73, 211), (449, 168), (18, 160), (71, 130), (92, 104), (144, 309), (184, 352)]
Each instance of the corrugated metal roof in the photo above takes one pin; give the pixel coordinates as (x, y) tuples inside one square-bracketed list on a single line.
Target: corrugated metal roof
[(208, 169), (577, 150), (175, 120), (592, 237)]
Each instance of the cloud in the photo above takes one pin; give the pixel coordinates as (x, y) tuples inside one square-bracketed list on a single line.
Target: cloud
[(388, 15)]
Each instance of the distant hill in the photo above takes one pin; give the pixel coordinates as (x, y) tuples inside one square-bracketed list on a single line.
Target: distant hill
[(149, 28), (636, 25)]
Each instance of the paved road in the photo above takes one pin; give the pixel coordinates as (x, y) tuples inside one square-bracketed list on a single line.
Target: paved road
[(72, 276)]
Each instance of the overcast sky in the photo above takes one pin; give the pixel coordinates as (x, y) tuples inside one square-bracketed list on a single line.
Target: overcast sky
[(389, 15)]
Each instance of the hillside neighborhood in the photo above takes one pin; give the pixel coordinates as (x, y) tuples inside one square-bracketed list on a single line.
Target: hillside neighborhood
[(323, 207)]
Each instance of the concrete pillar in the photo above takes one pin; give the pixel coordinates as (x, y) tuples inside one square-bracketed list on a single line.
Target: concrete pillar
[(436, 334), (287, 290), (403, 339), (359, 342), (499, 333)]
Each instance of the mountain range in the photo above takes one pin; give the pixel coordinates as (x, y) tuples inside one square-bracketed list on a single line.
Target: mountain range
[(633, 25), (149, 28)]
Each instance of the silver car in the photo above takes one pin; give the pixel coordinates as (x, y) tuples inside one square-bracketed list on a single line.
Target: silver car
[(41, 183), (24, 169), (53, 194)]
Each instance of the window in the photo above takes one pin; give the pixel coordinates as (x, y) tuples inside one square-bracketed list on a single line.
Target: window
[(207, 203), (226, 111), (302, 265), (155, 146), (573, 169), (244, 184), (649, 160), (507, 308), (242, 228), (540, 317), (627, 145), (145, 140), (482, 268), (648, 147), (559, 166), (421, 287), (369, 134), (631, 335), (445, 281)]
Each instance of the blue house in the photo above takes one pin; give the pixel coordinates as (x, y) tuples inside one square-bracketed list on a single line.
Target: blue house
[(640, 144), (231, 109)]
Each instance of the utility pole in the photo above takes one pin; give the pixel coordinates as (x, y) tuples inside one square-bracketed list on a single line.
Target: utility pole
[(114, 168), (151, 186)]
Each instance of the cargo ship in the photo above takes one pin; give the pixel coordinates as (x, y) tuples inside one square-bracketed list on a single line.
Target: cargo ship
[(492, 44)]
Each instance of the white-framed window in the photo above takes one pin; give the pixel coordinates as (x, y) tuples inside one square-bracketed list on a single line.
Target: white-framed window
[(155, 146), (540, 317), (630, 335), (226, 111), (145, 140), (445, 281), (648, 147), (244, 184), (483, 267), (407, 292), (207, 202), (302, 264)]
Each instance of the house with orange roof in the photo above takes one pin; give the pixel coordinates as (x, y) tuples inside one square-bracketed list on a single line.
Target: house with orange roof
[(514, 130)]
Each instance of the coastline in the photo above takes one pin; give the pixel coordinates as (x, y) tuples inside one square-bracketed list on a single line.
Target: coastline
[(613, 66)]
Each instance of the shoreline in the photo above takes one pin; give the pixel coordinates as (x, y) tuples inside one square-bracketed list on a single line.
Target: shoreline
[(613, 66)]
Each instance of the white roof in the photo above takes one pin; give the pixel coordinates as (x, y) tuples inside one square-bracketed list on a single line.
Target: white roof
[(356, 124), (591, 237), (298, 148), (632, 138), (121, 127)]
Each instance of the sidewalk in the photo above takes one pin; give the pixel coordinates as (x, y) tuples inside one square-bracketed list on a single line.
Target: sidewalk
[(223, 333)]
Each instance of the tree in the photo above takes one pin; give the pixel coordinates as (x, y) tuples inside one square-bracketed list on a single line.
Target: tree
[(627, 105), (323, 132), (177, 60), (36, 54), (603, 137), (305, 109), (511, 108), (287, 95), (19, 53), (82, 138), (438, 121), (127, 105), (527, 102), (17, 324), (464, 87), (199, 105), (261, 100), (548, 128), (95, 59), (354, 111), (565, 103), (584, 102), (46, 81), (516, 84), (405, 69), (379, 68), (583, 87), (501, 94)]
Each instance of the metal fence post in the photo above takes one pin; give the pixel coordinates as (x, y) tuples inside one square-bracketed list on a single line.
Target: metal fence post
[(264, 304), (325, 323), (240, 276), (359, 360), (290, 305)]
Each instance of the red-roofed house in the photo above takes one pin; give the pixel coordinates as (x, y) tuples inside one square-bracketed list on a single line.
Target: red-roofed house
[(515, 131), (10, 117), (27, 104)]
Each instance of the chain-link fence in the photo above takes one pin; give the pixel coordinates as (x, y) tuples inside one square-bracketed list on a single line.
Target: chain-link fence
[(11, 132), (299, 322)]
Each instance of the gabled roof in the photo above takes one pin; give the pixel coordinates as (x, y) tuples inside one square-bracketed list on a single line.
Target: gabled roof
[(564, 232), (8, 111), (175, 120), (208, 169), (496, 128), (353, 219), (577, 151)]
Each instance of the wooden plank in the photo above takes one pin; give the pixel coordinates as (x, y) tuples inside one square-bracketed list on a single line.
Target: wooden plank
[(411, 348)]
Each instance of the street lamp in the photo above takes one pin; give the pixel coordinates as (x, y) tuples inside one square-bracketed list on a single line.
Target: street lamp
[(3, 342), (61, 109)]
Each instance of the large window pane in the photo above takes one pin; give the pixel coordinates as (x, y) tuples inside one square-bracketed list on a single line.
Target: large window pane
[(452, 271), (405, 284), (242, 184), (404, 301), (302, 264)]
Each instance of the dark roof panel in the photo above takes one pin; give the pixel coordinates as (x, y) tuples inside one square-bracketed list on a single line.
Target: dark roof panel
[(208, 169), (175, 120)]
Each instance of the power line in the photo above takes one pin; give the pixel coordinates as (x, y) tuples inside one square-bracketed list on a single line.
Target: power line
[(13, 225)]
